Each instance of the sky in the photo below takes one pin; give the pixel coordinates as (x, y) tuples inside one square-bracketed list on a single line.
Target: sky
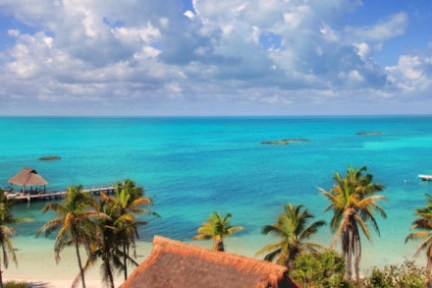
[(215, 57)]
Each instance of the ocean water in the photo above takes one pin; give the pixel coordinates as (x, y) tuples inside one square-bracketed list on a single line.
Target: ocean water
[(194, 166)]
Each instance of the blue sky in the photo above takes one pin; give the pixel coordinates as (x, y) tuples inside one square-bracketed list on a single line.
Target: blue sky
[(212, 57)]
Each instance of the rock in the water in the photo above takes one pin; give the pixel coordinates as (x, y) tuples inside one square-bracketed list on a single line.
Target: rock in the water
[(49, 158), (284, 141), (361, 133)]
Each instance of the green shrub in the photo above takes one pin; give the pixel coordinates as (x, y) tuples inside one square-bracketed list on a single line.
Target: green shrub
[(397, 276), (323, 270), (326, 270), (14, 284)]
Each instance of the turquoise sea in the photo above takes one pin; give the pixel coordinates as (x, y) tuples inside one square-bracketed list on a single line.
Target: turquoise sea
[(193, 166)]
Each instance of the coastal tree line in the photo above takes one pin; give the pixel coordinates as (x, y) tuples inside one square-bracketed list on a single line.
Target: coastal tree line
[(107, 229)]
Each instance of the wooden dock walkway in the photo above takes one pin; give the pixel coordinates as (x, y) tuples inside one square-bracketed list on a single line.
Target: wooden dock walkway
[(425, 177), (51, 196)]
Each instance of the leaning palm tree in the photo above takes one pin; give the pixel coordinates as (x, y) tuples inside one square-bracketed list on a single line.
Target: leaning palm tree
[(424, 226), (353, 200), (6, 231), (73, 224), (293, 231), (217, 228)]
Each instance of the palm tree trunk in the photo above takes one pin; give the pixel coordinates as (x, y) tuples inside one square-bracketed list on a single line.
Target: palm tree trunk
[(109, 272), (427, 272), (428, 267), (124, 260), (348, 272), (220, 246), (1, 275), (356, 267), (80, 265), (357, 254)]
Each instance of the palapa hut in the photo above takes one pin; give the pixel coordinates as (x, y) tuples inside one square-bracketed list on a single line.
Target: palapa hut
[(28, 177), (174, 264)]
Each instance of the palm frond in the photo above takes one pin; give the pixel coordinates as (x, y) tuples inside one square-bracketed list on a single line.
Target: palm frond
[(273, 230), (423, 245), (312, 229), (363, 226), (341, 226), (56, 207), (50, 226), (417, 235), (234, 229)]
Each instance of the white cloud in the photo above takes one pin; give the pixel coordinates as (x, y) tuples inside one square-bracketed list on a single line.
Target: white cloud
[(144, 34), (354, 75), (13, 32), (392, 27), (363, 49), (412, 74), (109, 51), (189, 14), (328, 33)]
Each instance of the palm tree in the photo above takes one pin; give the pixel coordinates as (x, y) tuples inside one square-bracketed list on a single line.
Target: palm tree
[(119, 229), (292, 230), (424, 226), (217, 228), (117, 232), (353, 200), (73, 224), (6, 231), (128, 202), (106, 248), (132, 189)]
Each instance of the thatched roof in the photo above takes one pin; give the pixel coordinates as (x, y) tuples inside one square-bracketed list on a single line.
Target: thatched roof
[(28, 177), (174, 264)]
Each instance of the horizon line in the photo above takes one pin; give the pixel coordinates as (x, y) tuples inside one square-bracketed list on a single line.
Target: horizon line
[(216, 116)]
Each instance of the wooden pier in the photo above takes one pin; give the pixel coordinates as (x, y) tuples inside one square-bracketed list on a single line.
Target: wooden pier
[(52, 196), (425, 177)]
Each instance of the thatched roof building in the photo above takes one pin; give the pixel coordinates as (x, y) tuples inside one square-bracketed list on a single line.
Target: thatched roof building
[(174, 264), (28, 177)]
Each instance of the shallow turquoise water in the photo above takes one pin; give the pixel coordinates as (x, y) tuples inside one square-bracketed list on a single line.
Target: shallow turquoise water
[(193, 166)]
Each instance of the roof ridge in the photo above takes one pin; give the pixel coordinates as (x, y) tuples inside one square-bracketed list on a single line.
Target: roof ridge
[(239, 262)]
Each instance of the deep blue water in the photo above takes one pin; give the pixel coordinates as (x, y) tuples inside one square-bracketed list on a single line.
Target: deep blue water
[(193, 166)]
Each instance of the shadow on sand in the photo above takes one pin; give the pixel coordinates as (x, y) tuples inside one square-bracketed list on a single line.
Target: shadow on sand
[(39, 285)]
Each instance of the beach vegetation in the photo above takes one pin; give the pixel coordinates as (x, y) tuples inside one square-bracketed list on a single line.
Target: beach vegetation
[(16, 284), (24, 284), (324, 270), (353, 200), (74, 225), (217, 228), (7, 232), (407, 274), (293, 232), (423, 226)]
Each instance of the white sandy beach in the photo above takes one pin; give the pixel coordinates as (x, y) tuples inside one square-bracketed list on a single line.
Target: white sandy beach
[(37, 263)]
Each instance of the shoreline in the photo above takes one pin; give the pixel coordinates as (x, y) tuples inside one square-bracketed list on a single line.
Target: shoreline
[(38, 265)]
